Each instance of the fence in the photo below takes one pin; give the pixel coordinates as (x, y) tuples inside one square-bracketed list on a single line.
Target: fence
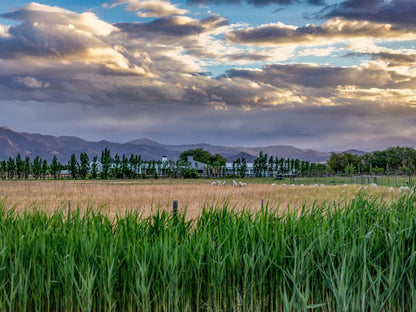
[(387, 180)]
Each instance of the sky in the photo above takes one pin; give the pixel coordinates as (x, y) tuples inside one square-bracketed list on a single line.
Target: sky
[(322, 74)]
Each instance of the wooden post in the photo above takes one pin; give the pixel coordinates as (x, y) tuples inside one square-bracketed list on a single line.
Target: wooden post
[(69, 209), (262, 204), (175, 208)]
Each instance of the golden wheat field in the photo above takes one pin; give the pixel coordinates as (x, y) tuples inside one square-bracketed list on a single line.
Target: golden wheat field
[(146, 196)]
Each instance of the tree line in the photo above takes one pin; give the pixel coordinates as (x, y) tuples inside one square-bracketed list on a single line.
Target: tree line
[(393, 160)]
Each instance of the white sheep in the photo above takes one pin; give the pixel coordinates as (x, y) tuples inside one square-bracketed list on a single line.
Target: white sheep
[(274, 184), (283, 185), (322, 185), (292, 185), (242, 184), (391, 189), (235, 184), (224, 183), (404, 189), (373, 185), (345, 185), (302, 185)]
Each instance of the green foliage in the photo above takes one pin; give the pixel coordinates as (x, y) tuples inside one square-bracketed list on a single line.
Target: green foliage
[(203, 156), (73, 166), (105, 163), (37, 167), (190, 173), (84, 166), (55, 167), (11, 168), (94, 169), (358, 256)]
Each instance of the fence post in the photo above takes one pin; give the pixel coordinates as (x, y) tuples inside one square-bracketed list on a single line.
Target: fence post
[(175, 208), (69, 209), (262, 204)]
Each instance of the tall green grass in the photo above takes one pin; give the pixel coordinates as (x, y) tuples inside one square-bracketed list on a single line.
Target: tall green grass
[(356, 256)]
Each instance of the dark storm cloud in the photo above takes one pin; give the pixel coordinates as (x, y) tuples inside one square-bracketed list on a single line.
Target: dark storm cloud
[(397, 12), (259, 2)]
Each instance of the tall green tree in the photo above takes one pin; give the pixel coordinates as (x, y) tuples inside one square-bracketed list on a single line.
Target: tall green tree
[(84, 166), (11, 168), (27, 168), (19, 166), (125, 167), (73, 166), (44, 168), (3, 169), (105, 163), (37, 165), (55, 167), (94, 168)]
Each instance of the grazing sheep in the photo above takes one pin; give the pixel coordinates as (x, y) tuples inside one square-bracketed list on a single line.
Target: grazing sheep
[(213, 183), (362, 187), (283, 185), (404, 189), (322, 185), (274, 184), (242, 184), (345, 185), (224, 183), (235, 184), (373, 185), (302, 185), (292, 185), (391, 189)]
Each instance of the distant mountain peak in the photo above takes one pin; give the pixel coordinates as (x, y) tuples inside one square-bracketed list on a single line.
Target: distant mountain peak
[(45, 146)]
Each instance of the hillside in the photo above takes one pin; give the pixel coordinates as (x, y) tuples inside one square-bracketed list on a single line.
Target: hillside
[(46, 146)]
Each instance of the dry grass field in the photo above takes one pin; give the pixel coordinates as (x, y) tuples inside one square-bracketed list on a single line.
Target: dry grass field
[(116, 197)]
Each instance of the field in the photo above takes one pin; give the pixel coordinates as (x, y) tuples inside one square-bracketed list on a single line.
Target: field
[(147, 196), (329, 248)]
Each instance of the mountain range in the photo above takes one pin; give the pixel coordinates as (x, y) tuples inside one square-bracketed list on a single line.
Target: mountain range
[(46, 146)]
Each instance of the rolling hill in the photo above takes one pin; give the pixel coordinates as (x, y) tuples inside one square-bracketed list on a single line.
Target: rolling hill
[(46, 146)]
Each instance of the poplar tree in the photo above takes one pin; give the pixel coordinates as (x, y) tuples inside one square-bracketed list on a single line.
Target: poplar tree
[(11, 168), (85, 165), (3, 169), (27, 167), (55, 167), (94, 168), (105, 163), (19, 166), (37, 163), (44, 168), (73, 166)]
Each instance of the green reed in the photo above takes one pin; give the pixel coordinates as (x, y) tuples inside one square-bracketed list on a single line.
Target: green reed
[(355, 256)]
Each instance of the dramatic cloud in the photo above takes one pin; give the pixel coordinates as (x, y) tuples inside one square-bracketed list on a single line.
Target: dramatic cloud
[(396, 12), (334, 30), (202, 77), (150, 8)]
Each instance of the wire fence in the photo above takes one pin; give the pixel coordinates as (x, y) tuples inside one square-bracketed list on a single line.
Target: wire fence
[(387, 180)]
